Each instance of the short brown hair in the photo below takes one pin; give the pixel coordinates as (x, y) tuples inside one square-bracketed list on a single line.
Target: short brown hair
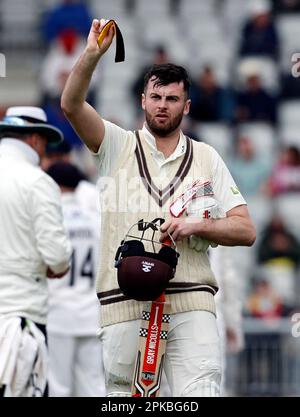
[(166, 74)]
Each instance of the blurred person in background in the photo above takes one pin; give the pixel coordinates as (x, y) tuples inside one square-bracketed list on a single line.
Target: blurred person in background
[(259, 36), (276, 242), (249, 169), (263, 302), (210, 102), (254, 103), (34, 247), (66, 15), (75, 355), (285, 176), (278, 253)]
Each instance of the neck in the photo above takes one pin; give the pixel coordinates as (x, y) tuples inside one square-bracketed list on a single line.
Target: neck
[(166, 144), (66, 190)]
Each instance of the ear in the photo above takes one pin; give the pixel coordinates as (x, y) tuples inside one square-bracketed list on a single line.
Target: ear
[(35, 137), (30, 140), (143, 101), (187, 106)]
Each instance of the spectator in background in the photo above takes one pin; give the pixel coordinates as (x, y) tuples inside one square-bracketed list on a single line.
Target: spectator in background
[(209, 101), (248, 168), (278, 253), (285, 176), (254, 103), (263, 302), (69, 14), (278, 242), (259, 35), (58, 62)]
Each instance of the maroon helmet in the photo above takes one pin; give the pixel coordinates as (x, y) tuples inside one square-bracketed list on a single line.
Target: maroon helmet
[(142, 274)]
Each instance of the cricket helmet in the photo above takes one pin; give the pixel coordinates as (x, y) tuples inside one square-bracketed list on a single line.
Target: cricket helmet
[(144, 275)]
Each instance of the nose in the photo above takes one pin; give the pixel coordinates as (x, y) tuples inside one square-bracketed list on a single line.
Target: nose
[(162, 103)]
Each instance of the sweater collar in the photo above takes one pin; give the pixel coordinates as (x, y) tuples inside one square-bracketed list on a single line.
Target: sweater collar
[(180, 148)]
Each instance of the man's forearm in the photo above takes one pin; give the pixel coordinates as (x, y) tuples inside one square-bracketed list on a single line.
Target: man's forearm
[(228, 231), (76, 88)]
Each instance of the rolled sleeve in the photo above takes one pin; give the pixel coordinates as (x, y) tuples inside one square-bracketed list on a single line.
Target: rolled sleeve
[(111, 148), (51, 238)]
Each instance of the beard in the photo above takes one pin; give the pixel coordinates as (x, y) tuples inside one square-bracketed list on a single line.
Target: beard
[(166, 128)]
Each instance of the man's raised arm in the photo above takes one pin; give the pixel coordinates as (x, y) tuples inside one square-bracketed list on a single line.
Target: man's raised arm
[(82, 116)]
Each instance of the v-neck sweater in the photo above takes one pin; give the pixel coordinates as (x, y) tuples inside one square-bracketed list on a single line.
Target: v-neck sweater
[(138, 193)]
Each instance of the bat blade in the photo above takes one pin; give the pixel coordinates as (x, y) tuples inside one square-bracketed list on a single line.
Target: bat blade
[(151, 349)]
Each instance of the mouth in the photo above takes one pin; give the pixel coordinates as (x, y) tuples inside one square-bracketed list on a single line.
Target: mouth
[(161, 116)]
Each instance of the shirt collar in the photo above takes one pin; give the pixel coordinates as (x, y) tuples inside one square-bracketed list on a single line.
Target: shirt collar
[(17, 147), (180, 148)]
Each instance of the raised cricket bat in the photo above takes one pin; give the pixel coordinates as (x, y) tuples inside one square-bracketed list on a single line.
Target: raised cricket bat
[(153, 332)]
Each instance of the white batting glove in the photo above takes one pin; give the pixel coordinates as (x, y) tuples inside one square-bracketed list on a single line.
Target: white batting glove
[(203, 208)]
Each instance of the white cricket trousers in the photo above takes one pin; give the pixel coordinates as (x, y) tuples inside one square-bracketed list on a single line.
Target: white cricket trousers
[(192, 362), (75, 366)]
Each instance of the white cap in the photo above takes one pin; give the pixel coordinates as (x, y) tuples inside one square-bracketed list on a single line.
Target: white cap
[(30, 119), (27, 111)]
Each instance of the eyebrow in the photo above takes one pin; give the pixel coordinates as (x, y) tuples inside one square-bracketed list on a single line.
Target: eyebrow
[(168, 96)]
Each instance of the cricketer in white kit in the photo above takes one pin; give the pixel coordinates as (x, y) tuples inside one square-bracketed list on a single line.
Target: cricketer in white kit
[(75, 353)]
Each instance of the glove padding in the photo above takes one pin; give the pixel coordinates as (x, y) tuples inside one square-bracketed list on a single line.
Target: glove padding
[(198, 244), (203, 208)]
